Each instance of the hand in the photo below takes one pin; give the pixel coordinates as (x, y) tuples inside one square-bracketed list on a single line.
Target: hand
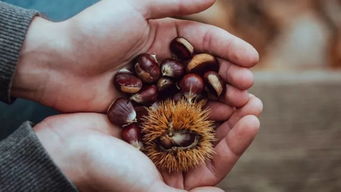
[(70, 65), (87, 150)]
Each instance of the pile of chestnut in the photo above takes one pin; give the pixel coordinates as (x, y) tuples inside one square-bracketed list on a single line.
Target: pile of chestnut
[(188, 74)]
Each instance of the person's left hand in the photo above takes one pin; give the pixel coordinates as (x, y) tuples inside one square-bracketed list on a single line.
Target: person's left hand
[(70, 65), (87, 150)]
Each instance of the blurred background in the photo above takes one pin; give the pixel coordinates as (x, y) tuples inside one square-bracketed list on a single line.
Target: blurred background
[(299, 80)]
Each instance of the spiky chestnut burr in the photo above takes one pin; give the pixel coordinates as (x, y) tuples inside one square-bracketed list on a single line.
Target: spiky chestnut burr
[(178, 135)]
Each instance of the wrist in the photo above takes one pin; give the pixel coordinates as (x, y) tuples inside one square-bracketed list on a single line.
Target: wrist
[(65, 158), (44, 43)]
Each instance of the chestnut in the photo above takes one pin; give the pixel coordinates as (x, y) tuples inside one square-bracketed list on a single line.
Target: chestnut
[(177, 139), (167, 88), (127, 82), (147, 68), (132, 134), (201, 63), (164, 83), (121, 112), (141, 112), (214, 83), (192, 84), (183, 139), (181, 48), (172, 68), (147, 95)]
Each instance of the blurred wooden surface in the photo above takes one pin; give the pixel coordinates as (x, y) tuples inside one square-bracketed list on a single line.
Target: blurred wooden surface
[(299, 146), (288, 34)]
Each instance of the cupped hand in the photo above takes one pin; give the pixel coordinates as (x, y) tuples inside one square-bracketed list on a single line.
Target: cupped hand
[(87, 149), (70, 65)]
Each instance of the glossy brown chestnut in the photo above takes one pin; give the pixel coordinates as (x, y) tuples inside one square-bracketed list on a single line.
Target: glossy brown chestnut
[(121, 112), (147, 68), (201, 63), (167, 88), (172, 68), (164, 83), (181, 139), (132, 134), (141, 112), (146, 96), (127, 82), (181, 48), (192, 83), (214, 83)]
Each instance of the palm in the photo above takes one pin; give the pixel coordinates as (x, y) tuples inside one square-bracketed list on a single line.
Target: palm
[(107, 38), (87, 144)]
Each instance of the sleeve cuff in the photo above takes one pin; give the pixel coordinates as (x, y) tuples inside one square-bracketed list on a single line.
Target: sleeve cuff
[(26, 166), (14, 23)]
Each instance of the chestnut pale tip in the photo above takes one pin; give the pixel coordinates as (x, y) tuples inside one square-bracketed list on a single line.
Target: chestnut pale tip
[(185, 43), (181, 48), (167, 71), (203, 62), (172, 68), (214, 83)]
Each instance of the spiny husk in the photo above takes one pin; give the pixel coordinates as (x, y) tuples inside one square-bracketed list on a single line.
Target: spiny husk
[(180, 115)]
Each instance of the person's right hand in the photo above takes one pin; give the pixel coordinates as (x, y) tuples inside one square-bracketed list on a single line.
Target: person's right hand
[(70, 65), (87, 149)]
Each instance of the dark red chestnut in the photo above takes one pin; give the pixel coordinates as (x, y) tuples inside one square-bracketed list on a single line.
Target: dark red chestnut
[(132, 134), (141, 112), (181, 48), (127, 82), (172, 68), (147, 68), (146, 96), (214, 83), (164, 83), (201, 63), (121, 112), (167, 88), (180, 139), (183, 139), (192, 83)]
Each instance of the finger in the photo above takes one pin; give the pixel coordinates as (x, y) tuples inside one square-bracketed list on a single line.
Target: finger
[(227, 152), (253, 107), (173, 179), (219, 111), (153, 9), (207, 38), (207, 189), (239, 77), (241, 136), (235, 97), (221, 132)]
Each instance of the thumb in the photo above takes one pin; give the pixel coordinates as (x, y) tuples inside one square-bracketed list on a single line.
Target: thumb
[(153, 9)]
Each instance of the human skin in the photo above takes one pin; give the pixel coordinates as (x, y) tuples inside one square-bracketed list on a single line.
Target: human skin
[(70, 65), (88, 150)]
